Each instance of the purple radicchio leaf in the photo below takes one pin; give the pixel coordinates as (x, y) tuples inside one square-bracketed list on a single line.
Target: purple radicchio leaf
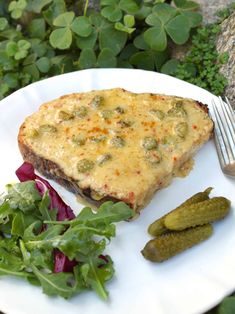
[(26, 172)]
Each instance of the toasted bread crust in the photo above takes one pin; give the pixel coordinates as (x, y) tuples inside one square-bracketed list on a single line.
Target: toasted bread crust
[(52, 171)]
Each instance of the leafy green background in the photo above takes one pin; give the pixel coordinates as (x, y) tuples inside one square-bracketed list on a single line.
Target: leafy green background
[(43, 38)]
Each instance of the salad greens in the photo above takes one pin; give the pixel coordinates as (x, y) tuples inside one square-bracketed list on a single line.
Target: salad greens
[(32, 239)]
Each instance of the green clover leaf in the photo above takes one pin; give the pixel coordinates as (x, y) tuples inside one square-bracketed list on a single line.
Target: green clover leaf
[(106, 59), (113, 39), (127, 52), (11, 48), (170, 67), (143, 12), (186, 5), (140, 42), (16, 8), (3, 23), (127, 25), (149, 59), (61, 38), (37, 28), (112, 12), (129, 6), (32, 71), (143, 60), (108, 2), (11, 79), (43, 64), (166, 20), (120, 27), (129, 20), (156, 38), (64, 19), (107, 35), (164, 12), (87, 59), (194, 18), (81, 26), (23, 44), (37, 5), (87, 42), (18, 50), (178, 29)]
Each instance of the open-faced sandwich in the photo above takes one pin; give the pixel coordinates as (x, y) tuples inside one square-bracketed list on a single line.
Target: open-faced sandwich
[(114, 144)]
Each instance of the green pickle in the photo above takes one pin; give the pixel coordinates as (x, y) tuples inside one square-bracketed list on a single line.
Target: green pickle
[(197, 214), (158, 227), (170, 244)]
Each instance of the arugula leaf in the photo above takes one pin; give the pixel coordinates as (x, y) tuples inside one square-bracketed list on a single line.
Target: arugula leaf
[(8, 270), (95, 277), (107, 213), (32, 239), (55, 284), (10, 254), (23, 196), (43, 208), (44, 239), (5, 211)]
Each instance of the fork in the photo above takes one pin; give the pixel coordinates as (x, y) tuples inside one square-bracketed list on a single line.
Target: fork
[(224, 130)]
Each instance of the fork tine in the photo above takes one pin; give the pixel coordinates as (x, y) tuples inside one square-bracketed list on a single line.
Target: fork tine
[(231, 116), (219, 138), (224, 118), (229, 126)]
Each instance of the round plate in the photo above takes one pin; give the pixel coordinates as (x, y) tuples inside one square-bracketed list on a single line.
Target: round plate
[(189, 283)]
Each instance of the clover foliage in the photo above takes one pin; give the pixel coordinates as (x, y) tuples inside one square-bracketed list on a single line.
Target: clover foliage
[(43, 38)]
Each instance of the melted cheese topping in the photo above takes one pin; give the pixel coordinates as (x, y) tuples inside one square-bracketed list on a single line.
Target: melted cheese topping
[(118, 143)]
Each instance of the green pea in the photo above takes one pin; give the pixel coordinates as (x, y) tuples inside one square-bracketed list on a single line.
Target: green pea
[(125, 123), (106, 114), (149, 143), (177, 110), (47, 128), (119, 110), (63, 115), (78, 140), (103, 158), (159, 114), (98, 138), (117, 141), (181, 129), (96, 102), (153, 157), (81, 112), (85, 165), (33, 133)]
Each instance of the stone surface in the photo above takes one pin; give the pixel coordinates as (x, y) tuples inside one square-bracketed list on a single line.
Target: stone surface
[(226, 43), (210, 7)]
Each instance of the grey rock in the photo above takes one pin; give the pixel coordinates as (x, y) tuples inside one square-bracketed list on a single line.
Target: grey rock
[(226, 43), (210, 7)]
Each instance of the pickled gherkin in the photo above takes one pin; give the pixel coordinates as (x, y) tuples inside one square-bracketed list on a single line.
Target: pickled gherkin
[(167, 245), (158, 227), (197, 214)]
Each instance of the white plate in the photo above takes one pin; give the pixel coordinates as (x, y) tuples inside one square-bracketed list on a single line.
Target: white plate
[(189, 283)]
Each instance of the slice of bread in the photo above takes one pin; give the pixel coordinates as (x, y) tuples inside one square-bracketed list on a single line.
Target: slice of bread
[(114, 144)]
